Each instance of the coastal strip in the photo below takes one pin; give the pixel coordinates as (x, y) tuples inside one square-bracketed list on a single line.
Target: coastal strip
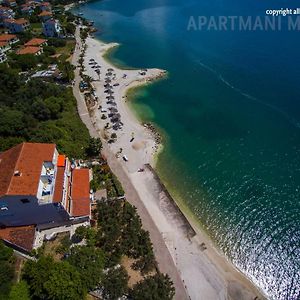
[(182, 250), (164, 259)]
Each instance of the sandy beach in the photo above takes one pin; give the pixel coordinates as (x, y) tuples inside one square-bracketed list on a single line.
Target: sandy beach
[(185, 253), (137, 142)]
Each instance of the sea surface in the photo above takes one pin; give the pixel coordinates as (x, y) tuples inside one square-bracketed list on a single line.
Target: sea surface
[(230, 115)]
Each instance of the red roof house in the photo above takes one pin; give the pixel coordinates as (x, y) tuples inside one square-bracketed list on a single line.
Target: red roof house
[(30, 50), (36, 42)]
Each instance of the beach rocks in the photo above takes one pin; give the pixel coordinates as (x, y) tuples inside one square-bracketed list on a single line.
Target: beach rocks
[(154, 132)]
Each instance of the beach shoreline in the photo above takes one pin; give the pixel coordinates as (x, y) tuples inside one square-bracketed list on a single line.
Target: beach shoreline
[(203, 271)]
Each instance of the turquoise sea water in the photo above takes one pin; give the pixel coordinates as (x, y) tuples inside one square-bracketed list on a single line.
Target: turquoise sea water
[(231, 115)]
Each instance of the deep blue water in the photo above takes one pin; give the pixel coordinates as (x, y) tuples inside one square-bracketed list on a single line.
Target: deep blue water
[(230, 112)]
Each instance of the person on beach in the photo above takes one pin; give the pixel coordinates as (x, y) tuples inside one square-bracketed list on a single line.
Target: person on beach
[(132, 137)]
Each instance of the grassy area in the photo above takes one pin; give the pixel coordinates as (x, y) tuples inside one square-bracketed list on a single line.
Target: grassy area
[(67, 49), (36, 25), (36, 28), (50, 247)]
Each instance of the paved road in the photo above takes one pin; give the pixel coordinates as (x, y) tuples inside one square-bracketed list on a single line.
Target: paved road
[(163, 257)]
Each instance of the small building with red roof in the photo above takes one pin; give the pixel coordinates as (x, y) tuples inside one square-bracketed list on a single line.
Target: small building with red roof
[(36, 42), (30, 50), (10, 38)]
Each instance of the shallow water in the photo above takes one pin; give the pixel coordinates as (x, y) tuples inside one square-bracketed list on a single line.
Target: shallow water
[(230, 109)]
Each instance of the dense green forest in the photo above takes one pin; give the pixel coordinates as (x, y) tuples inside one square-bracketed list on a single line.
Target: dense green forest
[(37, 111)]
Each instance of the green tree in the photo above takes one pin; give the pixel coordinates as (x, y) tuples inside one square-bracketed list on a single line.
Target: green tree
[(5, 252), (67, 71), (24, 62), (94, 147), (89, 261), (70, 28), (80, 233), (6, 270), (64, 246), (55, 106), (48, 279), (6, 277), (11, 122), (40, 110), (115, 283), (49, 50), (155, 287), (19, 291), (36, 275), (64, 283), (56, 42)]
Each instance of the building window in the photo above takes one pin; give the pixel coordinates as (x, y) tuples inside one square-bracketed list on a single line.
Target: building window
[(25, 200)]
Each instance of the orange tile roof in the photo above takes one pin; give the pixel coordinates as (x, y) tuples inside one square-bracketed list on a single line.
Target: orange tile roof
[(80, 193), (28, 159), (45, 13), (21, 21), (18, 21), (9, 21), (21, 236), (7, 37), (61, 160), (59, 185), (3, 43), (29, 50), (35, 42)]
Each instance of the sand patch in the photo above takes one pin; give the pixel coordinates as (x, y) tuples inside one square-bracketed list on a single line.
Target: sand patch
[(139, 145)]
